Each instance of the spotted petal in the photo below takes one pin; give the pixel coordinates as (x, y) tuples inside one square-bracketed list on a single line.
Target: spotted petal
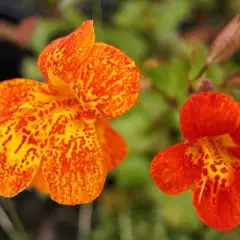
[(61, 58), (16, 91), (113, 146), (173, 170), (19, 153), (103, 78), (108, 82), (209, 114), (39, 182), (72, 162), (219, 211), (215, 195)]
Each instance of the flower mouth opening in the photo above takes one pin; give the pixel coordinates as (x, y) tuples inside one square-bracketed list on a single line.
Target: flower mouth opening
[(216, 157)]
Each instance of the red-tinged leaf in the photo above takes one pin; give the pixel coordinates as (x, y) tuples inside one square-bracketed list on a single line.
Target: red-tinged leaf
[(226, 42)]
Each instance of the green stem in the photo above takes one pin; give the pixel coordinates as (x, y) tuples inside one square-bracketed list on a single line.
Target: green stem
[(193, 81), (85, 221), (171, 101), (159, 231), (9, 208), (125, 225), (201, 72)]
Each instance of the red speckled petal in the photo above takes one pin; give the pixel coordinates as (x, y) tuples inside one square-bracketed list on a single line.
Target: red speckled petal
[(173, 170), (236, 133), (21, 147), (61, 58), (39, 182), (215, 194), (72, 162), (16, 91), (223, 212), (209, 114), (19, 152), (113, 146), (108, 82), (104, 79)]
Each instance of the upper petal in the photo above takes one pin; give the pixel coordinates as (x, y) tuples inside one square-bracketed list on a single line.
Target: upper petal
[(113, 146), (209, 114), (104, 79), (107, 83), (174, 170), (61, 58)]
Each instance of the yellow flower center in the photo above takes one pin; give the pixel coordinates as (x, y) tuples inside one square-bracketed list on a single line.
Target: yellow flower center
[(217, 161)]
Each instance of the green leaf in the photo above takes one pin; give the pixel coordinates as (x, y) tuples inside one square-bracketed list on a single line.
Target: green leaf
[(171, 78), (146, 100), (179, 212), (212, 234), (133, 172), (216, 73), (45, 30), (197, 56), (168, 15), (30, 69), (129, 42), (131, 14), (132, 127)]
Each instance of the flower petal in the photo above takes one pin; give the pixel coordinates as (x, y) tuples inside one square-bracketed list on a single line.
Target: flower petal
[(108, 82), (103, 78), (39, 182), (219, 210), (173, 170), (19, 153), (72, 163), (61, 58), (21, 146), (113, 146), (215, 194), (16, 91), (209, 114)]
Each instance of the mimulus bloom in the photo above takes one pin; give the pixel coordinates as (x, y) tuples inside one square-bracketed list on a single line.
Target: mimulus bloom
[(209, 159), (55, 135)]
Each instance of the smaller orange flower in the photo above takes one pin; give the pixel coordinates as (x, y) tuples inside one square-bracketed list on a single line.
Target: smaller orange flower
[(209, 159), (55, 135)]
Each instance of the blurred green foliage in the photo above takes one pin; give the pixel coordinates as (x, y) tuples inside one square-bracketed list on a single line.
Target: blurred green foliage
[(148, 31)]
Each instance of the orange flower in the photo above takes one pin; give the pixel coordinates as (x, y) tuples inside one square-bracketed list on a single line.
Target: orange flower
[(55, 136), (209, 158)]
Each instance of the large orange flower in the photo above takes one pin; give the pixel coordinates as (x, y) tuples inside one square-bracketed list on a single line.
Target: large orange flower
[(209, 158), (55, 136)]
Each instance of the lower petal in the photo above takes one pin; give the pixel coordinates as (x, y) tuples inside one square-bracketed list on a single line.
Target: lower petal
[(72, 162), (219, 211), (173, 170), (113, 146), (19, 152)]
